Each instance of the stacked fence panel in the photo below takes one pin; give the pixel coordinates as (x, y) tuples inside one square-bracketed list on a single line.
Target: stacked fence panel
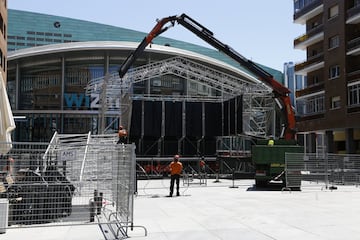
[(327, 169), (61, 185), (294, 166)]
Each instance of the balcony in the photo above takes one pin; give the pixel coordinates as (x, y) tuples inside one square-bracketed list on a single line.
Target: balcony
[(310, 89), (313, 63), (310, 106), (309, 11), (353, 15), (312, 36), (353, 76), (353, 47)]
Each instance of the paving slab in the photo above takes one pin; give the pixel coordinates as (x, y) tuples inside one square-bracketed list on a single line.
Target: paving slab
[(228, 210), (219, 211)]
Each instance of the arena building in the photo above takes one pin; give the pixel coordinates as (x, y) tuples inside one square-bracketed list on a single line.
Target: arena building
[(177, 98)]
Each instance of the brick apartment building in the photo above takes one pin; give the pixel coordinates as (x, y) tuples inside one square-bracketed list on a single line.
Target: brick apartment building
[(329, 105)]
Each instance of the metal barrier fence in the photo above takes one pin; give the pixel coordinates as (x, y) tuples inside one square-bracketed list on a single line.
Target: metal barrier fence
[(328, 169), (69, 183)]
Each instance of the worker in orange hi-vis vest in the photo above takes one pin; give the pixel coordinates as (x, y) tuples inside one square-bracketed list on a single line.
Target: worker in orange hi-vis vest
[(122, 134), (175, 172)]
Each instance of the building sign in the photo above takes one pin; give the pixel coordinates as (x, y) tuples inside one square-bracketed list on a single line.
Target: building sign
[(80, 100)]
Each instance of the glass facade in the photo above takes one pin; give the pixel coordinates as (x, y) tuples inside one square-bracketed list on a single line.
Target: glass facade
[(300, 4), (293, 81), (51, 95)]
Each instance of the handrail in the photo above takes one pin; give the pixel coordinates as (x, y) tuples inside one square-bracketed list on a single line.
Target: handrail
[(309, 34), (48, 148), (84, 158), (307, 8), (353, 11)]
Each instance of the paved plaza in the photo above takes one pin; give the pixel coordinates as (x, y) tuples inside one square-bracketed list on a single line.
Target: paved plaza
[(228, 210)]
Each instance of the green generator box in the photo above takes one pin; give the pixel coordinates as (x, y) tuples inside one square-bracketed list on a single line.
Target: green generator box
[(269, 161)]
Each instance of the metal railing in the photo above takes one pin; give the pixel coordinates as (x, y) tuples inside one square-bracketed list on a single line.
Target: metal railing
[(326, 169), (309, 6), (47, 191)]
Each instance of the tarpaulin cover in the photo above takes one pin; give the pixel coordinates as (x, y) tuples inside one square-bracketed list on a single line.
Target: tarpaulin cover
[(7, 123)]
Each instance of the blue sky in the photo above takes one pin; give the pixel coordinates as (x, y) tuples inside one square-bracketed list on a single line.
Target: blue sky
[(260, 30)]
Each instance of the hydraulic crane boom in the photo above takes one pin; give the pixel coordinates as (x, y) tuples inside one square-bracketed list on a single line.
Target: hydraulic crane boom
[(280, 91)]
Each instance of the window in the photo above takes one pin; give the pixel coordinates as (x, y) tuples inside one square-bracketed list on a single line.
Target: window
[(333, 11), (335, 102), (315, 79), (354, 94), (299, 82), (300, 4), (334, 42), (314, 52), (314, 24), (334, 72), (311, 105)]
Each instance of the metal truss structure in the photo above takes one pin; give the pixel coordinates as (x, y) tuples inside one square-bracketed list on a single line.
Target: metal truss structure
[(116, 94)]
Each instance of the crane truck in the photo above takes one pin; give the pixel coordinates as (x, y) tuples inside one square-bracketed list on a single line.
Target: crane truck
[(266, 169)]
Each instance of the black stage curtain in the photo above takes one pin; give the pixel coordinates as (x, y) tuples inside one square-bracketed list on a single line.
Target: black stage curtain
[(173, 119), (213, 119), (239, 100), (152, 117), (149, 147), (226, 118), (135, 128), (209, 146), (190, 146), (232, 116), (170, 146), (193, 119)]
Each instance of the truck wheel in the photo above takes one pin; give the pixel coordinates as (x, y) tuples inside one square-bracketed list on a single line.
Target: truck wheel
[(260, 183)]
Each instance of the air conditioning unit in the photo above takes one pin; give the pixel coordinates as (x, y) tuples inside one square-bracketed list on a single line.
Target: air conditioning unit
[(4, 214)]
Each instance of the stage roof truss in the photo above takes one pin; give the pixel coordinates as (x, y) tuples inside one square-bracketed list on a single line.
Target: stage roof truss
[(258, 101), (225, 83)]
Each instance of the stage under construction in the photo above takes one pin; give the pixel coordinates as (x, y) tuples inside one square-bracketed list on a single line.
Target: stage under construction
[(182, 106)]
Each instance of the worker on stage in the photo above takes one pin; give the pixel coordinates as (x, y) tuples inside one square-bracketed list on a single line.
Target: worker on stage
[(175, 172)]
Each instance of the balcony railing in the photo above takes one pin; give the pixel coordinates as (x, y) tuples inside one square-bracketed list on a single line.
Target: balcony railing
[(310, 89), (353, 11), (353, 76), (312, 32), (353, 44), (310, 61), (311, 106), (306, 9)]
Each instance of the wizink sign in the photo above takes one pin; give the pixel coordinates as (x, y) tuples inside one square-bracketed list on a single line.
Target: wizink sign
[(80, 100)]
